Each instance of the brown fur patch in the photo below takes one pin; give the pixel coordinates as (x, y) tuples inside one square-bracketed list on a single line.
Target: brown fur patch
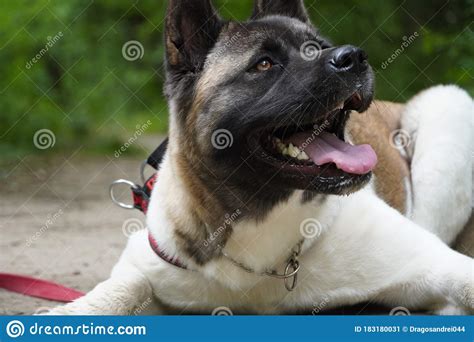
[(374, 127), (192, 115), (206, 213), (173, 52)]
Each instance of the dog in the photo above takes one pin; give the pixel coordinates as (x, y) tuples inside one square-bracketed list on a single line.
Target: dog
[(281, 188)]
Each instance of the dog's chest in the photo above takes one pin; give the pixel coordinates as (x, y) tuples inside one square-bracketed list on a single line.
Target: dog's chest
[(260, 246)]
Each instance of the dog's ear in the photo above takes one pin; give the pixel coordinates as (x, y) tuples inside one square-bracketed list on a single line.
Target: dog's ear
[(192, 28), (289, 8)]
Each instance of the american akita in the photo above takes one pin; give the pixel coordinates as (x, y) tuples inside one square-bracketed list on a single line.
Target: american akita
[(270, 194)]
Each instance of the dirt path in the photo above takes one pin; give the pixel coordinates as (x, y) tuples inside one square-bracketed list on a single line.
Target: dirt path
[(57, 223)]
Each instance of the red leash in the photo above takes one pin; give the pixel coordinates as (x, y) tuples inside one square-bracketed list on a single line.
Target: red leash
[(38, 288)]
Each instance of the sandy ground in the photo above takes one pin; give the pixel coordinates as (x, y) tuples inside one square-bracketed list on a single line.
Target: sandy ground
[(58, 223)]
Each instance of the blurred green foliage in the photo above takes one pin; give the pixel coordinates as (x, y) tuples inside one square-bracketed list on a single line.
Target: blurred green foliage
[(88, 94)]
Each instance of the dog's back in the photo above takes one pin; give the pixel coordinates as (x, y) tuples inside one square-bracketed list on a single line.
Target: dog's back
[(378, 127)]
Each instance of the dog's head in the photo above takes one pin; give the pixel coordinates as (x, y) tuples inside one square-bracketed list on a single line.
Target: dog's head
[(258, 109)]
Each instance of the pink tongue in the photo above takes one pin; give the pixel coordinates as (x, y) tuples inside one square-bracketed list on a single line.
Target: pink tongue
[(327, 148)]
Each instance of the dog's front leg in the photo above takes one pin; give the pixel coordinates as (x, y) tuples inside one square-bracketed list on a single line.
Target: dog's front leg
[(374, 253), (130, 295)]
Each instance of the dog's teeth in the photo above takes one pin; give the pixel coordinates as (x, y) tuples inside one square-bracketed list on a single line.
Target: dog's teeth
[(303, 156), (290, 150), (279, 145), (293, 151)]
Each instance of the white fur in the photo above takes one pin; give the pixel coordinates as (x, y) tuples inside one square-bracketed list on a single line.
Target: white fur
[(440, 122), (366, 250)]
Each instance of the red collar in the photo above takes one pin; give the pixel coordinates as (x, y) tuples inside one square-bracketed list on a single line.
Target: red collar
[(158, 251), (141, 199)]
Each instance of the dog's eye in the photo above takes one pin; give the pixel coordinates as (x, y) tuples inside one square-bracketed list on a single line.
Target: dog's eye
[(264, 64)]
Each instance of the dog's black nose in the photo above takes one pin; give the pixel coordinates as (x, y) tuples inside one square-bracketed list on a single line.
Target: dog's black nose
[(348, 58)]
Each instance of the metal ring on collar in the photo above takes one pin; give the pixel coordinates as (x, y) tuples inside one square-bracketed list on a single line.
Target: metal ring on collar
[(112, 196), (296, 267)]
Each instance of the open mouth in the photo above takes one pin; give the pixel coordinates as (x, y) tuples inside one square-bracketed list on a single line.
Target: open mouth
[(317, 151)]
